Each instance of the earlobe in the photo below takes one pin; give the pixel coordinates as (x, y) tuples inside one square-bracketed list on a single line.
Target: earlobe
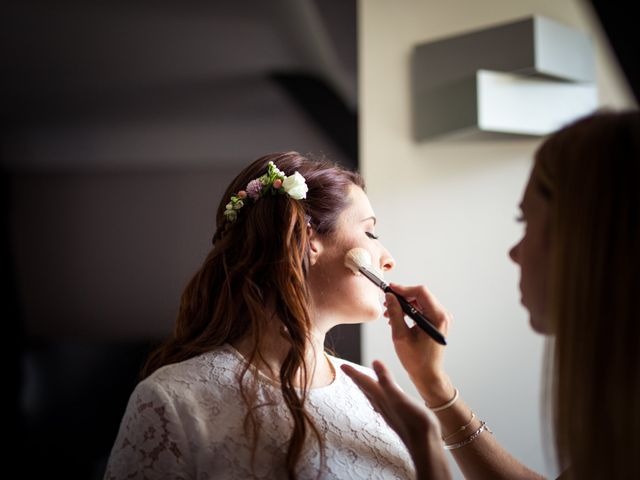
[(315, 245)]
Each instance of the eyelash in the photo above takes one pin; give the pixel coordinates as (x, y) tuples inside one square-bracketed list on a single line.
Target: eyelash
[(372, 235)]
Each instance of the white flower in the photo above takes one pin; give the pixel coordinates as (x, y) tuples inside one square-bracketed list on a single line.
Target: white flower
[(276, 170), (296, 186), (231, 215)]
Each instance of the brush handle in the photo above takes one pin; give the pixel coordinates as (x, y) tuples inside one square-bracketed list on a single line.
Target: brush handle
[(422, 321)]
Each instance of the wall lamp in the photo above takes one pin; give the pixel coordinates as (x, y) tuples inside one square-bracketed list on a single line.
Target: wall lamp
[(527, 77)]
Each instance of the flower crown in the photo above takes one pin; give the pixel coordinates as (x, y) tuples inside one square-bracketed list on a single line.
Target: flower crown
[(273, 182)]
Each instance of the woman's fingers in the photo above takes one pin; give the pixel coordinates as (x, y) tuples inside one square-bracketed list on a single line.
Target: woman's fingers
[(415, 425), (427, 303), (378, 391), (356, 376), (399, 329), (368, 385), (384, 377), (382, 393)]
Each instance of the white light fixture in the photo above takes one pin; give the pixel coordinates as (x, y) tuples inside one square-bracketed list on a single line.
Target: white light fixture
[(529, 77)]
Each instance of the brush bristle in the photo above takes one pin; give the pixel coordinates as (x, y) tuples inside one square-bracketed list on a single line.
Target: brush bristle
[(356, 258)]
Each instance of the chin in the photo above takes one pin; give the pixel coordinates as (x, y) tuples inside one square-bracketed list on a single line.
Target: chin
[(370, 313), (375, 313), (540, 324)]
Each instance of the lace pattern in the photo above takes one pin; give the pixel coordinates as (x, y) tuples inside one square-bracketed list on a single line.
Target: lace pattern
[(186, 421)]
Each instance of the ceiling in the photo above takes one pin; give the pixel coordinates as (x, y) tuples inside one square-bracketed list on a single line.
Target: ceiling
[(176, 85)]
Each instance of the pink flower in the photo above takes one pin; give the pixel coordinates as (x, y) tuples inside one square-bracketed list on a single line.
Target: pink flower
[(242, 194), (277, 183), (253, 189)]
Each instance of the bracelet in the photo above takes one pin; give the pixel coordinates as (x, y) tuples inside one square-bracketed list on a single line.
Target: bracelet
[(456, 395), (461, 429), (471, 438)]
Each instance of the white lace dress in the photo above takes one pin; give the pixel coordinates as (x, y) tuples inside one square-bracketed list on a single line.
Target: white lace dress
[(186, 422)]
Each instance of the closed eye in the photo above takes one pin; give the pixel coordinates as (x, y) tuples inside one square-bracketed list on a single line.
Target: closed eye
[(372, 235)]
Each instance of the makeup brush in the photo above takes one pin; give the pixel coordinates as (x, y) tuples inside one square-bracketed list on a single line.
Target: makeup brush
[(358, 260)]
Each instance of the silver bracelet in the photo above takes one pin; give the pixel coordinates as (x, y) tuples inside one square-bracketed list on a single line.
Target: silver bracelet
[(456, 395), (461, 429), (471, 438)]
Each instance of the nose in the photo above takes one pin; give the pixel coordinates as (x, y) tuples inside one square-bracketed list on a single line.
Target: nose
[(514, 253), (386, 261)]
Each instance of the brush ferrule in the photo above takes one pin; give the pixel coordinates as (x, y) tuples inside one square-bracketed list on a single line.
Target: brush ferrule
[(373, 277)]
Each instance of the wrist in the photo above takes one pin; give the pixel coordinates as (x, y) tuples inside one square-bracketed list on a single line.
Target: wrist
[(429, 460), (425, 440), (435, 391)]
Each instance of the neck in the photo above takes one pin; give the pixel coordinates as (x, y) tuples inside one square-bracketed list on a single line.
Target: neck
[(274, 351)]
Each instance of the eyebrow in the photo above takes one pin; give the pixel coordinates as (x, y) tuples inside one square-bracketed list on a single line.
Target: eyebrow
[(369, 218)]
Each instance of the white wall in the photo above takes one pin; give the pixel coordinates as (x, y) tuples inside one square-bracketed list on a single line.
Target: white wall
[(446, 210)]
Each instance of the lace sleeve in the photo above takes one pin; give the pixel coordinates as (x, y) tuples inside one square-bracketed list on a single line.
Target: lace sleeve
[(151, 443)]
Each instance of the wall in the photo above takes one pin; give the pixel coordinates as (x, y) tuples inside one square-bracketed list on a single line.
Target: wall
[(446, 210), (107, 255)]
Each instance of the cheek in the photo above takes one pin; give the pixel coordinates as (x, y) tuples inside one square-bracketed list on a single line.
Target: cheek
[(534, 263), (354, 296), (368, 295), (358, 298)]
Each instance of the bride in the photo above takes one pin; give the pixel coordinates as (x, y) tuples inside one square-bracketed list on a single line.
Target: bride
[(243, 388)]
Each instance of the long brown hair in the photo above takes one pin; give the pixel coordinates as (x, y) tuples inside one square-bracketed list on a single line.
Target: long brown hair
[(590, 173), (255, 277)]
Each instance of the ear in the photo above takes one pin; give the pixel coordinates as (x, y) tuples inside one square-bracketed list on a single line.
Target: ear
[(315, 245)]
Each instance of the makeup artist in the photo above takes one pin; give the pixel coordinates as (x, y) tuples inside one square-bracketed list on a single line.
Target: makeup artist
[(579, 261)]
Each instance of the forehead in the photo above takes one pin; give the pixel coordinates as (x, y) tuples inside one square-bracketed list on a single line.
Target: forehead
[(358, 209), (528, 191), (533, 199), (359, 206)]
